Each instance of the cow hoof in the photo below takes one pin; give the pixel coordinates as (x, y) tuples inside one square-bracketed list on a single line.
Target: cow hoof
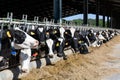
[(77, 52), (65, 57), (1, 58), (25, 71), (50, 56), (59, 55)]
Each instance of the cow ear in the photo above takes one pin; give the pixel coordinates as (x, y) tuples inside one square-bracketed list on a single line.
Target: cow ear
[(66, 32), (8, 34), (32, 33), (47, 33), (55, 32)]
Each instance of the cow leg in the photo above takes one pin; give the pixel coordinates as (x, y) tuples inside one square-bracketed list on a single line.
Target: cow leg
[(61, 49), (25, 57), (50, 47), (1, 58), (83, 48), (95, 44), (75, 45)]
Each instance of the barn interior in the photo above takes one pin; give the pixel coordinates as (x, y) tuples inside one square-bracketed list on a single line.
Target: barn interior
[(57, 9)]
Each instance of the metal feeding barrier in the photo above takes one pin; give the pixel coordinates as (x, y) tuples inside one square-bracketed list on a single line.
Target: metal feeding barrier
[(24, 21)]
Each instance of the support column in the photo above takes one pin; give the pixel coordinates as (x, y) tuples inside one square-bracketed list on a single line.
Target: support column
[(108, 21), (97, 12), (57, 10), (115, 19), (85, 9), (103, 20), (60, 5)]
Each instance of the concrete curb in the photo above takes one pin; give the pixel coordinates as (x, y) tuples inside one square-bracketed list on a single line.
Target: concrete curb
[(14, 73)]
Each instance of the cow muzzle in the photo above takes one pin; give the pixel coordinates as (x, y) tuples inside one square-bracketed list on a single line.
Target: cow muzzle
[(36, 43)]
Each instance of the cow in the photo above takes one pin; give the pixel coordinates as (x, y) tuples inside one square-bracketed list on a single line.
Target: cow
[(20, 40), (70, 39), (100, 38), (50, 40), (56, 37), (60, 41), (92, 36), (82, 42), (45, 42), (111, 33)]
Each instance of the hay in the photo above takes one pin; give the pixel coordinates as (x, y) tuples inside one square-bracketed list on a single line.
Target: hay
[(78, 66)]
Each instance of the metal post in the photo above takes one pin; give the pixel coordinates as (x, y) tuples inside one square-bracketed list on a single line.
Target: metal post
[(58, 10), (97, 12), (85, 9), (108, 21), (103, 20)]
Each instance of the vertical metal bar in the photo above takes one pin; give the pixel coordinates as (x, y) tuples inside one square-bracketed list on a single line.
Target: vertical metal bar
[(1, 34), (60, 11), (103, 20), (111, 19), (97, 12), (108, 21), (57, 10), (85, 9)]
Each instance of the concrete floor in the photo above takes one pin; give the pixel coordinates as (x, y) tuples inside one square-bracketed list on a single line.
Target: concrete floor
[(114, 64)]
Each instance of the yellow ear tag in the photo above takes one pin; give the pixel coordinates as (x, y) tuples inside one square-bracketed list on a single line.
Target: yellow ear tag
[(66, 43), (89, 34), (8, 34), (47, 33), (55, 32), (32, 33), (79, 41), (57, 44), (66, 33)]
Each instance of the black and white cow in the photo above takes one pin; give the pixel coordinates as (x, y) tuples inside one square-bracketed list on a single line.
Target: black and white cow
[(82, 42), (60, 42), (111, 33), (57, 35), (93, 38), (19, 39), (50, 39), (71, 39), (100, 38)]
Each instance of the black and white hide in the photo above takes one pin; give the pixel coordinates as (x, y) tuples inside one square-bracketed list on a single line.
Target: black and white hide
[(57, 35), (93, 38), (20, 40), (59, 41), (42, 34), (71, 39), (82, 42)]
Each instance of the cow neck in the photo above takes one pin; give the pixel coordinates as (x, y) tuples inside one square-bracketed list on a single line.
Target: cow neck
[(62, 31), (19, 36), (72, 30)]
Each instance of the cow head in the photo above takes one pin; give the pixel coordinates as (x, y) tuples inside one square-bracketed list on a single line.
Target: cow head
[(27, 40), (21, 39)]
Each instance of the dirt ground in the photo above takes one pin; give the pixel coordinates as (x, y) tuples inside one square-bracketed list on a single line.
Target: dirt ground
[(78, 66)]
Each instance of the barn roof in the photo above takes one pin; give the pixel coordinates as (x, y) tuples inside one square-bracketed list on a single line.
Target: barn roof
[(44, 8)]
